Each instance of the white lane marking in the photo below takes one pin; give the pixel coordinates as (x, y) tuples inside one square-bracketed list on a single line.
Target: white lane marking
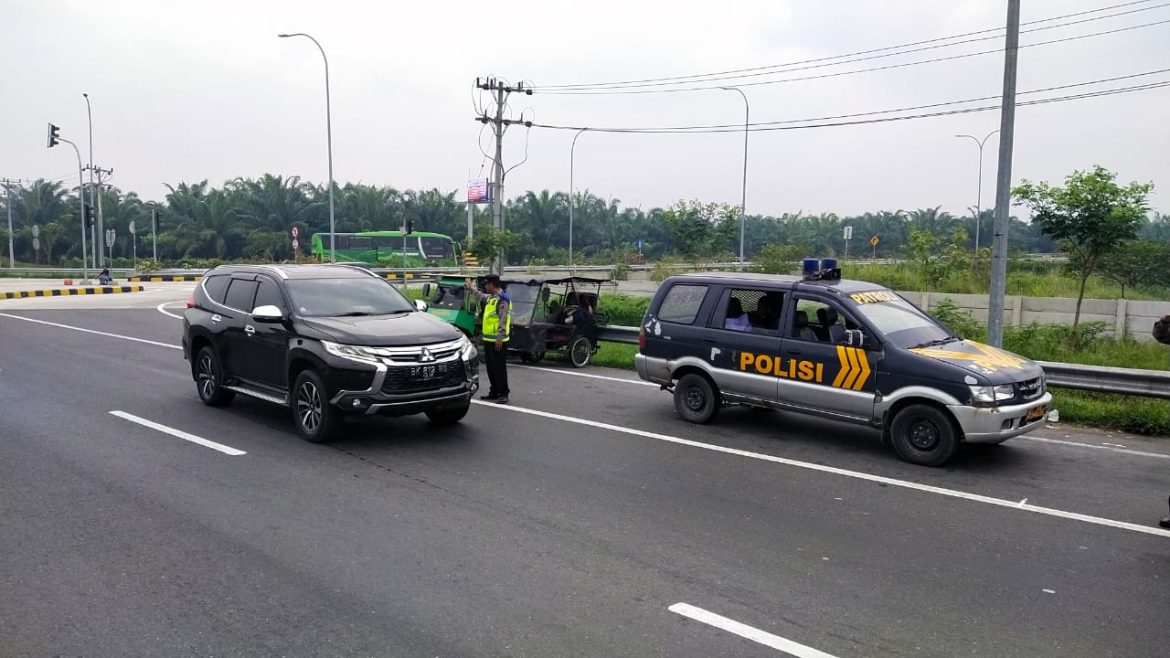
[(1109, 447), (638, 382), (880, 479), (91, 331), (227, 450), (160, 308), (1023, 502), (743, 630)]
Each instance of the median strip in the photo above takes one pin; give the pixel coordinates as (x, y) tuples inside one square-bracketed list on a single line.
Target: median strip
[(164, 278), (67, 292)]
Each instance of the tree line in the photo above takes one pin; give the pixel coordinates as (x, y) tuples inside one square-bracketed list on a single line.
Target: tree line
[(250, 219)]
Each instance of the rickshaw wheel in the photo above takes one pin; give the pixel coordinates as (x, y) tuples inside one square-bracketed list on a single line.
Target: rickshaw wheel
[(580, 351), (532, 357)]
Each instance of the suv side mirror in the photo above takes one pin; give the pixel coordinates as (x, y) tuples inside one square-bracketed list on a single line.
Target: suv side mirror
[(420, 305), (267, 313), (854, 338)]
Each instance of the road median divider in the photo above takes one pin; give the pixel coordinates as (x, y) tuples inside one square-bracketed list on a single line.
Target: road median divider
[(164, 278), (68, 292)]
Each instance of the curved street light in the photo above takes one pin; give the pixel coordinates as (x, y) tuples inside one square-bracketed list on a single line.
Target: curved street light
[(747, 113), (572, 197), (329, 142), (979, 192)]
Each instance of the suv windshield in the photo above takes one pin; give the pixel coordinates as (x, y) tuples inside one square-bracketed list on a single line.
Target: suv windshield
[(336, 297), (903, 324)]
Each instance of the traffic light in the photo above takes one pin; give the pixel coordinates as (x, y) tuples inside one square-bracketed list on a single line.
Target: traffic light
[(409, 226), (54, 134), (89, 221)]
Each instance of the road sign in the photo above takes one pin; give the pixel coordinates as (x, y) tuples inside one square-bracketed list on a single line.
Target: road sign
[(848, 232), (296, 232), (110, 238), (296, 245), (36, 244), (132, 227), (874, 241), (36, 230)]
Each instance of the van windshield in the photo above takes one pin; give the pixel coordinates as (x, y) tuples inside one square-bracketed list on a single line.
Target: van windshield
[(901, 323)]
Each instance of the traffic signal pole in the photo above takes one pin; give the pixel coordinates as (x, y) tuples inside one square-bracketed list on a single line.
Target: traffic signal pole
[(81, 204)]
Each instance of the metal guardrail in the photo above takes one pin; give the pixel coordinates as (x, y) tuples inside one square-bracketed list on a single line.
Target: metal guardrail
[(1100, 379)]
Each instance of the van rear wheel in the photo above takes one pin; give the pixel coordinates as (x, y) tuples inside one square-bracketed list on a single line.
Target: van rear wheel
[(696, 399), (924, 435)]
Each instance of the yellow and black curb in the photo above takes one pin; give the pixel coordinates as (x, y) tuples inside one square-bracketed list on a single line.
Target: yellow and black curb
[(67, 292), (165, 278), (397, 277)]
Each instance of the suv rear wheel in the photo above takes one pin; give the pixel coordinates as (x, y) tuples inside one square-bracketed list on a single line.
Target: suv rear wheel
[(317, 421), (923, 435), (696, 399), (209, 378)]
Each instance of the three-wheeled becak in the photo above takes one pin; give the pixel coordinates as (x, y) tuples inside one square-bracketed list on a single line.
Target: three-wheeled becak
[(555, 314)]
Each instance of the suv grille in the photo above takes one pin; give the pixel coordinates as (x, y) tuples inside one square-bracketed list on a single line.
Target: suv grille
[(394, 356), (1032, 388), (424, 377)]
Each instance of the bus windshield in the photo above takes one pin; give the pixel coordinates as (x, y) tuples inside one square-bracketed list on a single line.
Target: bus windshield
[(434, 247)]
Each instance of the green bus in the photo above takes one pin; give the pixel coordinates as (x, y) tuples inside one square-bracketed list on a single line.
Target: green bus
[(390, 248)]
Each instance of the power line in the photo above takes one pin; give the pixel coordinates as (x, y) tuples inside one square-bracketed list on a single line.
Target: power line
[(873, 69), (695, 77), (770, 127), (739, 126)]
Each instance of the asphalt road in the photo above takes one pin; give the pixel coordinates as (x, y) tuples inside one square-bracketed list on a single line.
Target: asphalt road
[(565, 524)]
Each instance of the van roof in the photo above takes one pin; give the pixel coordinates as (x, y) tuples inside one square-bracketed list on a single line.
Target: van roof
[(784, 280)]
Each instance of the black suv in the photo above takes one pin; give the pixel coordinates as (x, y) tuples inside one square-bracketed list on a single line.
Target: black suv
[(327, 341)]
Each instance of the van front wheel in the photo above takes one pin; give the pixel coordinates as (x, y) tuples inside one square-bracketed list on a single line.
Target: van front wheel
[(924, 435), (696, 399)]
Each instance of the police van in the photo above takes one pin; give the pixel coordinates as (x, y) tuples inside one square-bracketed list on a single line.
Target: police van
[(845, 350)]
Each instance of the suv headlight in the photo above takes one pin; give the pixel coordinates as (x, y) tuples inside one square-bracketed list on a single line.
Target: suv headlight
[(351, 352), (467, 350), (987, 396)]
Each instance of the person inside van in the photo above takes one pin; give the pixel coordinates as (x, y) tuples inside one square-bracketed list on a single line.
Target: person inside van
[(736, 318), (765, 317)]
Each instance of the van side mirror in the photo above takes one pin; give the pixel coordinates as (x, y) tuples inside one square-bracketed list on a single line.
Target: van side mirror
[(854, 338)]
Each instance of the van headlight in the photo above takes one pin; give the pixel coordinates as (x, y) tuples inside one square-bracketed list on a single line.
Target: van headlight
[(989, 396), (351, 352)]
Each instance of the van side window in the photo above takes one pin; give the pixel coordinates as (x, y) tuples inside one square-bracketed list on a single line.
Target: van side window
[(682, 303), (216, 287), (817, 321), (751, 309)]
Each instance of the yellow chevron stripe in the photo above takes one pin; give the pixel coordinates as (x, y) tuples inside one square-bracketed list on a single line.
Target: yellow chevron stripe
[(865, 370), (844, 371), (854, 368)]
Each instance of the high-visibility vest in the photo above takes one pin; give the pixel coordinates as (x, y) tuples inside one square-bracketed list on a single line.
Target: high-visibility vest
[(491, 322)]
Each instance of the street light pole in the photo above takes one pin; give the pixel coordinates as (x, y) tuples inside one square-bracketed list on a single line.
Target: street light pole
[(81, 199), (329, 142), (99, 255), (747, 113), (572, 197), (979, 193)]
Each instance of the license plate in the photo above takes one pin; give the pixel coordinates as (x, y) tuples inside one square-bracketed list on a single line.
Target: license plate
[(425, 373), (1035, 413)]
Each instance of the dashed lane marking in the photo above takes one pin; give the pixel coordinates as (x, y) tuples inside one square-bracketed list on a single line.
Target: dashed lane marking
[(749, 632), (227, 450)]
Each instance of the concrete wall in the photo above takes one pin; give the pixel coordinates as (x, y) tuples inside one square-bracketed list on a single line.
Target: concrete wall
[(1134, 318)]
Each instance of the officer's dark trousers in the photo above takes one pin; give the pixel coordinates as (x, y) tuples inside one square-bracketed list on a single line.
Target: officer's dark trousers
[(497, 369)]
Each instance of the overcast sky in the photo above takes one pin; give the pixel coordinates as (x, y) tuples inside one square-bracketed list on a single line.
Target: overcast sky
[(187, 91)]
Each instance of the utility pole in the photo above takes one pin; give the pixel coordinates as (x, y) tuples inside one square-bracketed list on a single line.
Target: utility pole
[(499, 125), (8, 203), (1003, 182)]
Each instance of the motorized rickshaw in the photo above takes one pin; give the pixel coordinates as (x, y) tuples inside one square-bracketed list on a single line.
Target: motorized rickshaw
[(555, 314), (449, 299)]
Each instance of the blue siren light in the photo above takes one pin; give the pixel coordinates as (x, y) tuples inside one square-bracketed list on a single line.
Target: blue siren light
[(810, 266)]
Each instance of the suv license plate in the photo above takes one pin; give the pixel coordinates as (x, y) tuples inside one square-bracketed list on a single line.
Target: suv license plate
[(425, 373), (1036, 413)]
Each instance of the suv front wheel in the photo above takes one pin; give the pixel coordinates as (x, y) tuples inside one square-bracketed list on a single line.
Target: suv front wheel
[(448, 415), (317, 421)]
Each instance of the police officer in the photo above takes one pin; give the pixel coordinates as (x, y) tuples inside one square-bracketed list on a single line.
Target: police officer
[(1162, 335), (497, 328)]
